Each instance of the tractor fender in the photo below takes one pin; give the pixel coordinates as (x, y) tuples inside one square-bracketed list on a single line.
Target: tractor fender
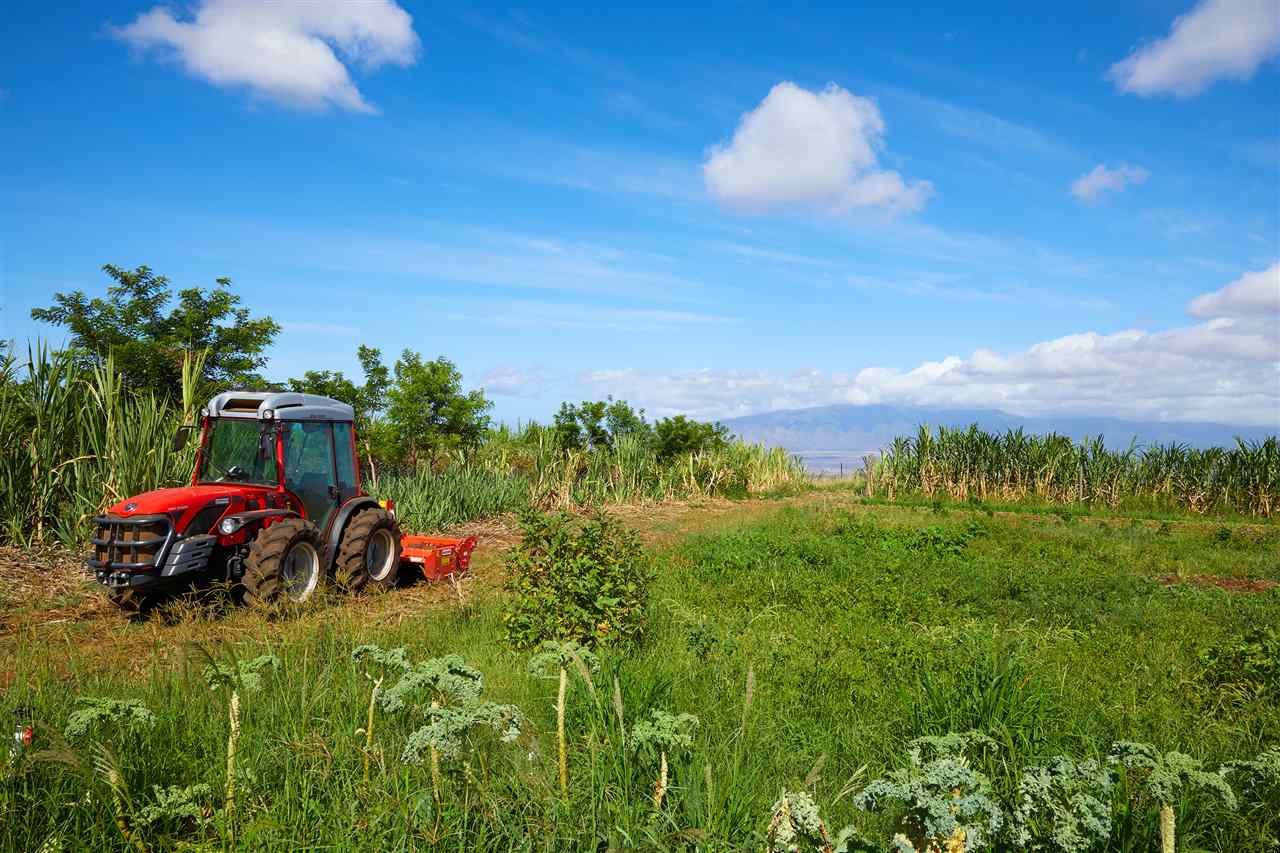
[(339, 525)]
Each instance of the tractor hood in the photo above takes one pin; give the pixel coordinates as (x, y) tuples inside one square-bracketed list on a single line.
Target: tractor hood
[(188, 497)]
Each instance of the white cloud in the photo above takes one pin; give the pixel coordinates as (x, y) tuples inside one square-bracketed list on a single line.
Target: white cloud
[(515, 382), (1224, 369), (1254, 295), (1091, 186), (803, 148), (283, 50), (1218, 39)]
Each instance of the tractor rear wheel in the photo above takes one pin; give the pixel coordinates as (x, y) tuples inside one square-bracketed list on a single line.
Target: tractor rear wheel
[(370, 551), (284, 564)]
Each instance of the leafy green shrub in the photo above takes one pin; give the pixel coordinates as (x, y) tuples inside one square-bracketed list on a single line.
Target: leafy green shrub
[(587, 585), (1248, 663)]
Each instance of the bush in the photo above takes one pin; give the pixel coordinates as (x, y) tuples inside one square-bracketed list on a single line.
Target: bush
[(588, 584)]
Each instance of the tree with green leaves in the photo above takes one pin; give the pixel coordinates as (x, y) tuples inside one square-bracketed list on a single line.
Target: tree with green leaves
[(429, 413), (148, 339), (597, 425), (679, 435)]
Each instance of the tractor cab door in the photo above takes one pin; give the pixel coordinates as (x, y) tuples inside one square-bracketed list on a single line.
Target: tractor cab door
[(309, 468)]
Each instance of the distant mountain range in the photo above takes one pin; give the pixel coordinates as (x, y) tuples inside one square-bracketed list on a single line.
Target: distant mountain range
[(850, 431)]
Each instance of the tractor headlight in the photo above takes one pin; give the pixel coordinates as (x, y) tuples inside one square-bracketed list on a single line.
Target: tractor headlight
[(230, 525)]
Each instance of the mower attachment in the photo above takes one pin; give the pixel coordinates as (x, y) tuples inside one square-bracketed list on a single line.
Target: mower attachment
[(437, 556)]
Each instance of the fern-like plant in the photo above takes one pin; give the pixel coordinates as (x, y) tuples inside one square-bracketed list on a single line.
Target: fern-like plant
[(796, 826), (662, 734), (232, 677), (97, 713), (383, 662), (553, 660), (444, 681), (447, 692), (443, 735), (949, 807), (1063, 805), (1258, 782), (1164, 776), (190, 806)]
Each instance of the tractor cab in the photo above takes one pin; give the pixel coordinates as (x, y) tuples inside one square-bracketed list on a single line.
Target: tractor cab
[(300, 446)]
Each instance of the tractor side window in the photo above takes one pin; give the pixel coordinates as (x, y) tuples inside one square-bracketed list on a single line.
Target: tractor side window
[(347, 479), (308, 468)]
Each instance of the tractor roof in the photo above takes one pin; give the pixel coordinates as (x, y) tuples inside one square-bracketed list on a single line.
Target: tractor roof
[(283, 406)]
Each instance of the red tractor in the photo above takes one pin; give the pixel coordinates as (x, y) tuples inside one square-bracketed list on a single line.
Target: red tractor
[(274, 508)]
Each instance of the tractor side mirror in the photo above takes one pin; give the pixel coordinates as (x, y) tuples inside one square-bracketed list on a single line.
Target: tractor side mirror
[(180, 437)]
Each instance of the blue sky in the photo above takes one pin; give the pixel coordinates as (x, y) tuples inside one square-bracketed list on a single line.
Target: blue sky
[(717, 210)]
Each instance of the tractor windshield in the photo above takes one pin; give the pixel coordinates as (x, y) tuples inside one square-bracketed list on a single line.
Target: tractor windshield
[(232, 454)]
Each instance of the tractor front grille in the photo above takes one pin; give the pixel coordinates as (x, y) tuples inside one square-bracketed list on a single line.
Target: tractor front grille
[(137, 543)]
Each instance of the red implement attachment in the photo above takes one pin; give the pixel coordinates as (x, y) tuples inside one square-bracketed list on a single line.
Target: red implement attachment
[(438, 557)]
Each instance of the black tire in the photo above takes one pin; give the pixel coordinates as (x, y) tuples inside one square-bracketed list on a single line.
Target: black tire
[(285, 564), (370, 551), (133, 602)]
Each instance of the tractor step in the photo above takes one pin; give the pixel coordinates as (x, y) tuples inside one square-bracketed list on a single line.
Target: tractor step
[(437, 556)]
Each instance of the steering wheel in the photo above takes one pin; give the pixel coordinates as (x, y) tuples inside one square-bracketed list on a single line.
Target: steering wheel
[(235, 472)]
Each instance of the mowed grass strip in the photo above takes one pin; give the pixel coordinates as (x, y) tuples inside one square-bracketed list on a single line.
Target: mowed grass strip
[(859, 628)]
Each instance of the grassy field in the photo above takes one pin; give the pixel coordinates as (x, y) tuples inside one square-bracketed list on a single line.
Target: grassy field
[(812, 639)]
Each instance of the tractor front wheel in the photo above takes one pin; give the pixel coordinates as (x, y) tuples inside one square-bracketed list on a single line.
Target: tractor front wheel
[(370, 551), (284, 564)]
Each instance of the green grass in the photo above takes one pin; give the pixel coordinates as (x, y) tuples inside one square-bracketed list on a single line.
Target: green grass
[(862, 627)]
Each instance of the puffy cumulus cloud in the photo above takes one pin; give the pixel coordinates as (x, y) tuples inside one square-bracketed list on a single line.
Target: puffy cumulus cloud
[(285, 49), (1223, 369), (1090, 187), (803, 148), (1218, 39)]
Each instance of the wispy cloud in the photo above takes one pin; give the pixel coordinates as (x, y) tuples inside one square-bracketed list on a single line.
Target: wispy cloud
[(523, 314), (757, 253), (508, 381), (1101, 180), (980, 127)]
